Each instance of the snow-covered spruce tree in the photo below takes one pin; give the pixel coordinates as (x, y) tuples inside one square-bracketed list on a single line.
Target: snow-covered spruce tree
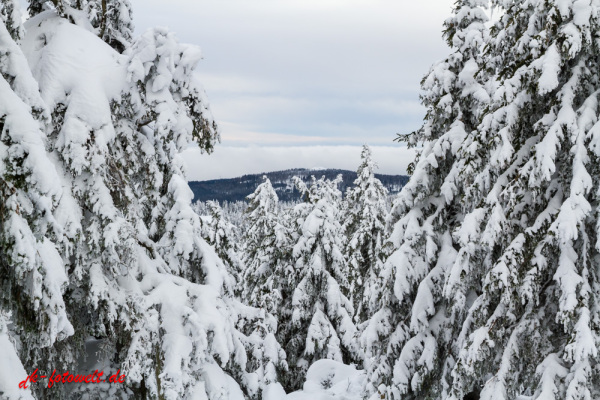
[(223, 235), (235, 213), (320, 325), (410, 342), (81, 134), (140, 279), (267, 253), (532, 211), (515, 276), (365, 213), (267, 259), (33, 228)]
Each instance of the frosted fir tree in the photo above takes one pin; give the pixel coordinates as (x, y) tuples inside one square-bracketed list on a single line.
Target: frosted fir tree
[(235, 212), (81, 135), (267, 253), (531, 221), (320, 325), (410, 342), (223, 235), (105, 206), (365, 213), (512, 276), (170, 109), (33, 228)]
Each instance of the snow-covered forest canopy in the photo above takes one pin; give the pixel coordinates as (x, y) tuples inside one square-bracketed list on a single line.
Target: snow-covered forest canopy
[(481, 282)]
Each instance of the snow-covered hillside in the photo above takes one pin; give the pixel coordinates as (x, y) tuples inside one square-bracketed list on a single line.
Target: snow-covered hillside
[(236, 189)]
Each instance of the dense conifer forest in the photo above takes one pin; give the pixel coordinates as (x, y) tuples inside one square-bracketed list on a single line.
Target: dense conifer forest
[(479, 280), (237, 189)]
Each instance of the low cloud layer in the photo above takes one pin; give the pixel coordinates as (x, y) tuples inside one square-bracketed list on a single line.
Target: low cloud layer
[(234, 161)]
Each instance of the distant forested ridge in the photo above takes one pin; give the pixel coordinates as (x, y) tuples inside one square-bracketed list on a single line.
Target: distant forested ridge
[(236, 189)]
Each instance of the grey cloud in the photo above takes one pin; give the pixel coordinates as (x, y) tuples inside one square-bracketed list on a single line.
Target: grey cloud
[(233, 161), (313, 68)]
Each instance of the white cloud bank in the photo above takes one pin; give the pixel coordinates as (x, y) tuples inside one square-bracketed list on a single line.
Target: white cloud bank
[(231, 161)]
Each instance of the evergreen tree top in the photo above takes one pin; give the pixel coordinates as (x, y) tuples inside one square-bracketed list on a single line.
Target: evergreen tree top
[(263, 198), (319, 189)]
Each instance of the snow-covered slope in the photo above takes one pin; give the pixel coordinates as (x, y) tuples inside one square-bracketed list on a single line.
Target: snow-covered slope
[(236, 189)]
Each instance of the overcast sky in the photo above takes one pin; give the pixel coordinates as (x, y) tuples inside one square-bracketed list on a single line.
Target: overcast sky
[(303, 83)]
